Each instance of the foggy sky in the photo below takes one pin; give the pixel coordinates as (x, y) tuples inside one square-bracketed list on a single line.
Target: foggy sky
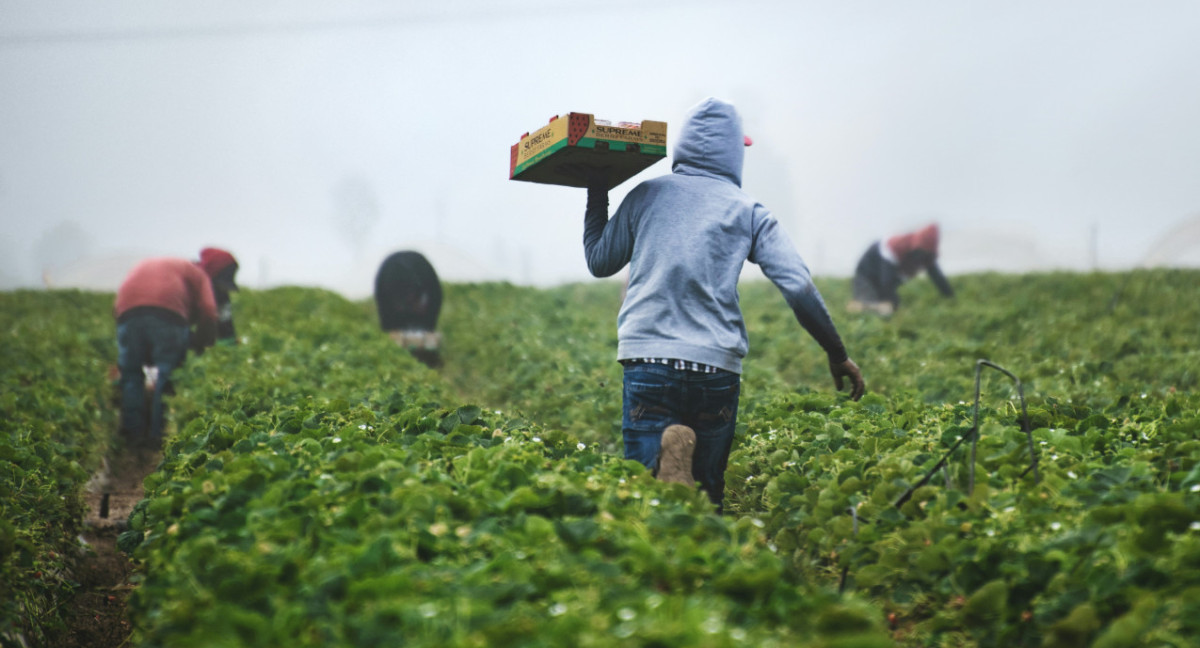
[(313, 138)]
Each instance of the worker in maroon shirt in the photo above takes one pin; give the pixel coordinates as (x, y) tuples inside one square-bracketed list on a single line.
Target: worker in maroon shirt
[(889, 263), (156, 306)]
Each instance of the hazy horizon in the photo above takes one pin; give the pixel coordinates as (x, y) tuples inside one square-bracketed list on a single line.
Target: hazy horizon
[(312, 139)]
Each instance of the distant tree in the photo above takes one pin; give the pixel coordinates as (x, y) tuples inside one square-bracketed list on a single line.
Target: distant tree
[(356, 210)]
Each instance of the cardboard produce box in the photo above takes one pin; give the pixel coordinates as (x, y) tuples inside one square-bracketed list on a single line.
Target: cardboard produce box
[(559, 152)]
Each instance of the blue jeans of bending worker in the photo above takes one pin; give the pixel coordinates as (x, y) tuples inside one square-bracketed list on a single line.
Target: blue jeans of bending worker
[(146, 340), (656, 396)]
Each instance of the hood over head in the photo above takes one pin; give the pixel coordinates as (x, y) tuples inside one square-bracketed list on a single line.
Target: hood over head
[(924, 240), (711, 142), (927, 238), (215, 261)]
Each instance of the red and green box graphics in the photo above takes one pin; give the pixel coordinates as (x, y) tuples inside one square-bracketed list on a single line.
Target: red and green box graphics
[(563, 151)]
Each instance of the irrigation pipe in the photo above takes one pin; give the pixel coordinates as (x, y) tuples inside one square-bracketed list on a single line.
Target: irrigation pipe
[(973, 435), (1033, 460)]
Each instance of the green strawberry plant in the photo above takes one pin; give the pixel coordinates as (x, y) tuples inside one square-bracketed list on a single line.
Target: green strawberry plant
[(321, 487), (56, 421), (340, 500)]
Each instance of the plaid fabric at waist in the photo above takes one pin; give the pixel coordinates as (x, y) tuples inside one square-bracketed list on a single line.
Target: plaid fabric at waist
[(680, 365)]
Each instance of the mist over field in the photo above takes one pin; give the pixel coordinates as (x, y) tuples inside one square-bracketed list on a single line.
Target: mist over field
[(312, 139)]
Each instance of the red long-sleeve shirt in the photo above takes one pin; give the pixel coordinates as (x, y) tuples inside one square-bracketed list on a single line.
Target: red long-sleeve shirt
[(177, 285)]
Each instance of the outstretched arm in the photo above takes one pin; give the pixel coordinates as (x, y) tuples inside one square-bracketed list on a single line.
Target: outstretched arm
[(204, 335), (815, 319), (844, 370), (939, 279), (202, 308), (780, 262)]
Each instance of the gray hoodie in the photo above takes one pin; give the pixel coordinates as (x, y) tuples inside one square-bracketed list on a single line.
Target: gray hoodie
[(685, 237)]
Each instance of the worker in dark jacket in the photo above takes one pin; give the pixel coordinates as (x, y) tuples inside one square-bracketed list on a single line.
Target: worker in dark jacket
[(889, 263), (222, 267), (408, 297), (156, 305)]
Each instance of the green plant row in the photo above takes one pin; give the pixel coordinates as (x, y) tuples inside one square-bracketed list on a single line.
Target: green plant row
[(321, 487), (1100, 550), (55, 423), (319, 491), (1103, 548)]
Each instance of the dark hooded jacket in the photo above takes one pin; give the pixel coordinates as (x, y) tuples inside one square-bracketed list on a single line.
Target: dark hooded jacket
[(408, 294)]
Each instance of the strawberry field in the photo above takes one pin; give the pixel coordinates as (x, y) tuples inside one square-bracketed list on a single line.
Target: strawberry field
[(322, 488)]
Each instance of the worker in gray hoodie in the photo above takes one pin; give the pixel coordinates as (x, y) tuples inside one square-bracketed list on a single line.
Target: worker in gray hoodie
[(681, 336)]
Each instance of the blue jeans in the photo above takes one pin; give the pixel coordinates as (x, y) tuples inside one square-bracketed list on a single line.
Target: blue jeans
[(147, 340), (656, 396)]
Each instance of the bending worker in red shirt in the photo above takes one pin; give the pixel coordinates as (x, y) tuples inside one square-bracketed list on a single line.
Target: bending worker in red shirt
[(891, 262), (156, 305)]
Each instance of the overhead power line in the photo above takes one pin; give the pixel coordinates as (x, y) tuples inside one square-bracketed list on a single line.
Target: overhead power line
[(481, 12)]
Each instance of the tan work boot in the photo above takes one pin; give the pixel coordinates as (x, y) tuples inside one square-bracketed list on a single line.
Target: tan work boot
[(675, 457)]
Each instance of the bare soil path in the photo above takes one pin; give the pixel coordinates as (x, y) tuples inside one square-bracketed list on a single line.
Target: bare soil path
[(95, 616)]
